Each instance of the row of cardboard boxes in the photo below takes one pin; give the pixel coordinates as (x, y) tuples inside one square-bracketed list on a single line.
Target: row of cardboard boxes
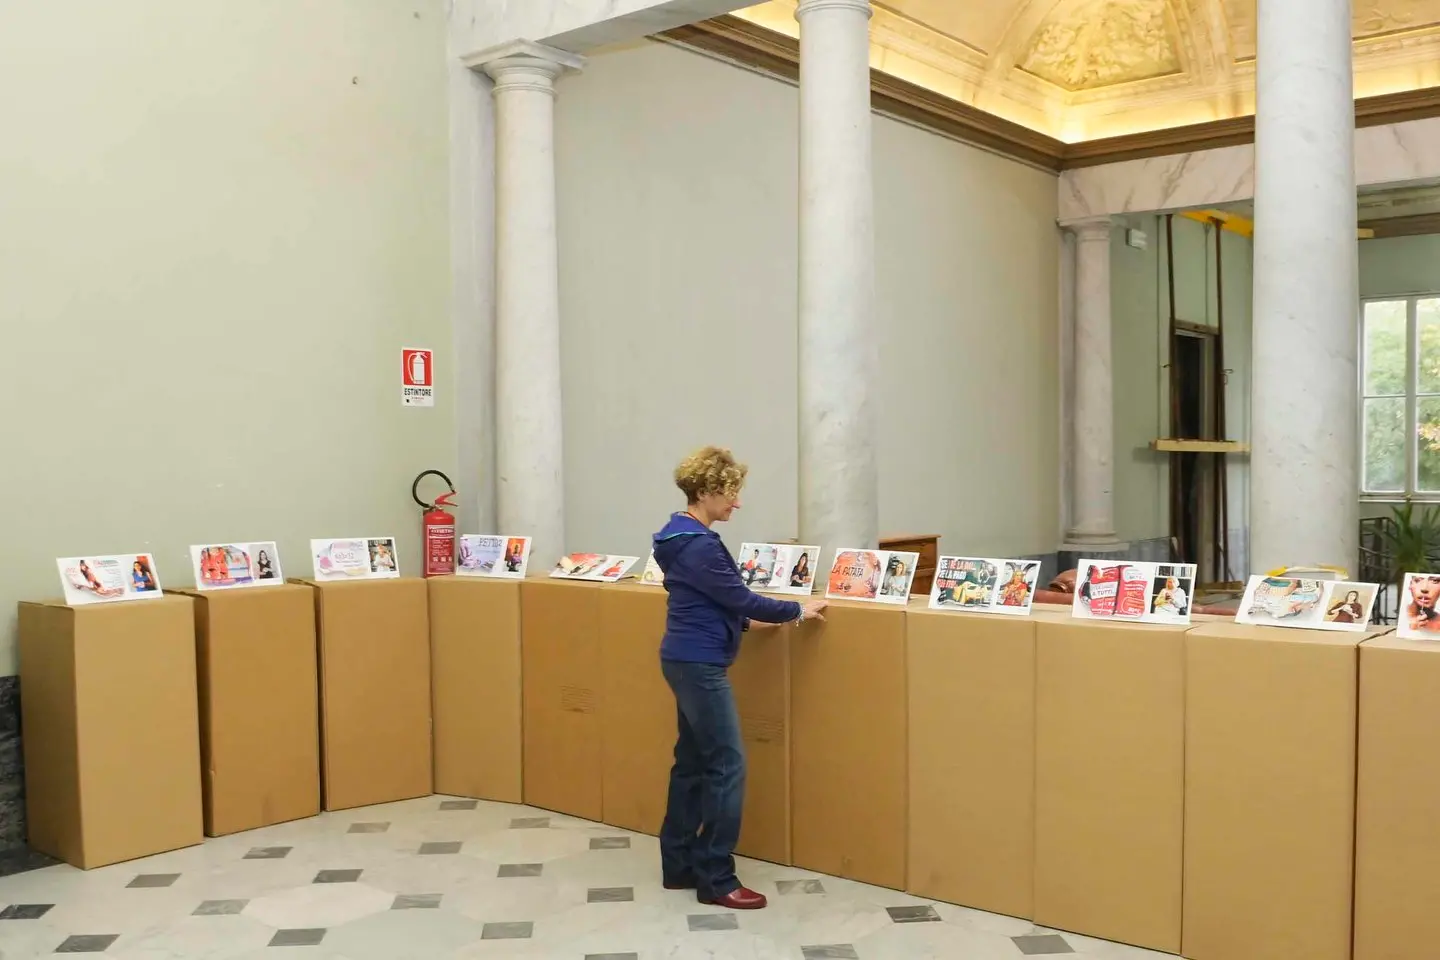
[(1183, 789)]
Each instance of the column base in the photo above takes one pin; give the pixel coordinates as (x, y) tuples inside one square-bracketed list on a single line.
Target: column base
[(1096, 547)]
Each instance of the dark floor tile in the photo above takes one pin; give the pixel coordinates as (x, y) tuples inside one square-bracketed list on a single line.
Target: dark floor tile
[(337, 876), (368, 828), (219, 908), (417, 901), (1042, 945), (612, 956), (154, 880), (25, 911), (912, 914), (529, 823), (307, 937), (610, 895), (440, 846), (712, 921), (609, 843), (784, 887), (830, 951), (23, 860), (459, 804), (268, 853), (509, 871), (87, 943), (507, 931)]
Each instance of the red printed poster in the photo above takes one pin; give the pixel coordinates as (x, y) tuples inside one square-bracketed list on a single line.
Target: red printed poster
[(1148, 592), (417, 377)]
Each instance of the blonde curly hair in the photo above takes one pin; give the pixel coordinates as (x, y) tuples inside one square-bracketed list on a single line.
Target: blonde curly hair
[(710, 470)]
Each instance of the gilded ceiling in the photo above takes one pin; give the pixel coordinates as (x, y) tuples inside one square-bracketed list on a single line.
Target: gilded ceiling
[(1084, 69)]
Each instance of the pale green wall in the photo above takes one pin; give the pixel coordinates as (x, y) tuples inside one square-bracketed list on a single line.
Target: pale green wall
[(219, 223), (1402, 265), (1140, 314), (677, 178)]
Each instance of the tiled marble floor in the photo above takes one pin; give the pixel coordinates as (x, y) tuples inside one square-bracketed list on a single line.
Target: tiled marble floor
[(435, 878)]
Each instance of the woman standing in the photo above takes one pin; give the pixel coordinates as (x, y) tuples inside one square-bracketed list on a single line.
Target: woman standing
[(709, 607)]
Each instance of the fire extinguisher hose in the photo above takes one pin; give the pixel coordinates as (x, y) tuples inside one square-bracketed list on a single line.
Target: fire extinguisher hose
[(442, 500)]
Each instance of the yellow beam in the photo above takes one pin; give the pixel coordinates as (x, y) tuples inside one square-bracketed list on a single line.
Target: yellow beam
[(1244, 226)]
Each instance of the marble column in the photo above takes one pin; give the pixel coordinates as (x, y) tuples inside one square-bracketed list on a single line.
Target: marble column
[(1304, 481), (1092, 502), (838, 341), (529, 443)]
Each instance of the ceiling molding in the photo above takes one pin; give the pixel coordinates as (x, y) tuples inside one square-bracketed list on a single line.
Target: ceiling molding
[(774, 53), (745, 43)]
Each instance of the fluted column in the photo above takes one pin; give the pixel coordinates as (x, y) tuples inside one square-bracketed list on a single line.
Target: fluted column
[(1304, 469), (529, 442), (1092, 502), (838, 343)]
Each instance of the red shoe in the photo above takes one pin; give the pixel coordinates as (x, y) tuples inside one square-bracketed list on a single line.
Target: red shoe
[(740, 899)]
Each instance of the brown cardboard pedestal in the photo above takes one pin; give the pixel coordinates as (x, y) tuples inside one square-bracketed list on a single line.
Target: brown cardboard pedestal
[(972, 759), (259, 708), (1397, 841), (848, 747), (475, 687), (112, 743), (1109, 779), (1269, 792), (374, 638), (638, 721), (560, 673)]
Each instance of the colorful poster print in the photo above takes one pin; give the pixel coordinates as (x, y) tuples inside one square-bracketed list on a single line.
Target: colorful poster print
[(112, 579), (369, 558), (1419, 618), (653, 575), (225, 566), (875, 576), (602, 567), (1309, 603), (1140, 592), (506, 558), (984, 585), (779, 567)]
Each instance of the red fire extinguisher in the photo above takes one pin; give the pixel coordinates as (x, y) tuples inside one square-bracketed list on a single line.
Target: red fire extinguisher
[(438, 527)]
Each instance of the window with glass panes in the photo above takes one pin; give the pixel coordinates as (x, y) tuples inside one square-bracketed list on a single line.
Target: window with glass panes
[(1400, 397)]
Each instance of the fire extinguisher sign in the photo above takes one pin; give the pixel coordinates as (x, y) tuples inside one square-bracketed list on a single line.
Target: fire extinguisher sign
[(417, 377)]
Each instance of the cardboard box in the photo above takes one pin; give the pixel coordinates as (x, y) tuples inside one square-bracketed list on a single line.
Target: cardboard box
[(112, 730), (259, 706), (374, 691), (848, 744), (1109, 779), (638, 722), (561, 674), (1269, 792), (760, 677), (637, 716), (972, 759), (475, 687), (1397, 841)]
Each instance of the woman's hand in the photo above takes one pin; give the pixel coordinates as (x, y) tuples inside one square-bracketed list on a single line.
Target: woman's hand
[(814, 610)]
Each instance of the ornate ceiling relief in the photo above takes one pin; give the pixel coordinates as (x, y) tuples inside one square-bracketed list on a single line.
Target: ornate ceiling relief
[(1103, 42)]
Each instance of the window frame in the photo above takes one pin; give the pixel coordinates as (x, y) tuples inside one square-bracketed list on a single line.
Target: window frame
[(1411, 397)]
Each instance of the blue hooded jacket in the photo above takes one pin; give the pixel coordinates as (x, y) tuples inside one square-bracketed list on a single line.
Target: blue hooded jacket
[(709, 604)]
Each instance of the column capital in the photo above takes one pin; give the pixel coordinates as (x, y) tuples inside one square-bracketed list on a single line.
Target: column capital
[(814, 6), (1089, 228), (522, 65)]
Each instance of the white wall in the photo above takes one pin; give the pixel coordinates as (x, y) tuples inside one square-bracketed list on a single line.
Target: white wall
[(219, 223), (677, 204)]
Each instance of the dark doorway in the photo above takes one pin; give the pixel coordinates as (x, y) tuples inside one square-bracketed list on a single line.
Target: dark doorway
[(1192, 492)]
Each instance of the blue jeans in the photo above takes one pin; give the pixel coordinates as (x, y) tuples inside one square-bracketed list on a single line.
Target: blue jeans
[(707, 782)]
